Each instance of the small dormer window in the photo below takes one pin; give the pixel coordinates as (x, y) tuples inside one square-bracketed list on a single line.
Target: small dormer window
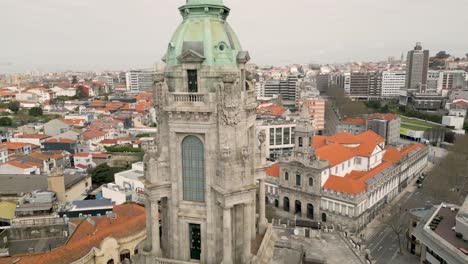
[(222, 47)]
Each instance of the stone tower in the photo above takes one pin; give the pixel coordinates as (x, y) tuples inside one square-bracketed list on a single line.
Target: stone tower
[(301, 172), (200, 174)]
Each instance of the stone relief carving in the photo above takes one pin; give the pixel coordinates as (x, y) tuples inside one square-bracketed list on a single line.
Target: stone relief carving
[(226, 153), (229, 100)]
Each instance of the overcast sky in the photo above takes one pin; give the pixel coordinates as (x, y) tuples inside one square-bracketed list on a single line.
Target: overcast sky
[(124, 34)]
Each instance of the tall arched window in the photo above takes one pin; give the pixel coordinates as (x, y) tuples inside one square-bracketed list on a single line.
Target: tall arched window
[(193, 169)]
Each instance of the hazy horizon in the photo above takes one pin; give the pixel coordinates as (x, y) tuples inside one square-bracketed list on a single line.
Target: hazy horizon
[(57, 35)]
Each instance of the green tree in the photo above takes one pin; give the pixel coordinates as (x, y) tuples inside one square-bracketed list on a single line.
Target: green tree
[(80, 93), (6, 121), (14, 106), (36, 111), (442, 55), (102, 174)]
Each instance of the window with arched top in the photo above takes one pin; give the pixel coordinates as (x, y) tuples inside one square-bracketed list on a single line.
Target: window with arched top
[(111, 261), (193, 169)]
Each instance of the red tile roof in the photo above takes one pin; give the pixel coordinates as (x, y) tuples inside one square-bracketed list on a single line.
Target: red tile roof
[(344, 138), (82, 155), (355, 181), (335, 154), (60, 140), (271, 109), (16, 145), (354, 121), (344, 185), (90, 134), (109, 141), (392, 154), (130, 220), (273, 170), (21, 165), (36, 136), (74, 121)]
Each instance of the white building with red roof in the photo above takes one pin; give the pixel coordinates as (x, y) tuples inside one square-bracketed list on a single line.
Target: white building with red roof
[(344, 179)]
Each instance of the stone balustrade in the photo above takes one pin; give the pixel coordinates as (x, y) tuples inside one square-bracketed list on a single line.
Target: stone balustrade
[(170, 261), (188, 97)]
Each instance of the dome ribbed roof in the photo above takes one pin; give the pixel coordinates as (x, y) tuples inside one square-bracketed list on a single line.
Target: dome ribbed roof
[(205, 32)]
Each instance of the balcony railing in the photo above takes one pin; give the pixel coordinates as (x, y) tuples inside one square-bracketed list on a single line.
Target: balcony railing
[(170, 261), (188, 97)]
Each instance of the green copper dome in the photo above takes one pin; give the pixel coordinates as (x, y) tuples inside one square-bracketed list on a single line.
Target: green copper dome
[(205, 2), (204, 35)]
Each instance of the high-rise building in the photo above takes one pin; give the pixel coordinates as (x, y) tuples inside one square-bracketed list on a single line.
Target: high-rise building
[(392, 83), (201, 174), (449, 80), (316, 108), (433, 81), (286, 88), (417, 66), (365, 85), (140, 80), (323, 82)]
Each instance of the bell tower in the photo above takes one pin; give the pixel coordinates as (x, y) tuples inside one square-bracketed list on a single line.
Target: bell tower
[(200, 174)]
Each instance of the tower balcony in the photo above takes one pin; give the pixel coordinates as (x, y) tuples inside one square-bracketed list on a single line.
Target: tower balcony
[(191, 102)]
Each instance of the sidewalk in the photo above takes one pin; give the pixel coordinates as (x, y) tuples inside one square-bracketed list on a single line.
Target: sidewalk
[(376, 224)]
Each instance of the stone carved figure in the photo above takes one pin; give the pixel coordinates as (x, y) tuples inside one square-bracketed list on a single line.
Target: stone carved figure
[(262, 137), (225, 152), (245, 154), (151, 153)]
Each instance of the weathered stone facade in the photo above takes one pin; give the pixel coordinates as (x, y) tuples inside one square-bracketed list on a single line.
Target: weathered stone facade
[(200, 175), (300, 176)]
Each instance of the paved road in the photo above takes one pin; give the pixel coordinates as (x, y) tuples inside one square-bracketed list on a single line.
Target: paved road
[(383, 242)]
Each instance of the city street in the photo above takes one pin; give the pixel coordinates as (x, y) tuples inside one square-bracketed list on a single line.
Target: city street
[(381, 239)]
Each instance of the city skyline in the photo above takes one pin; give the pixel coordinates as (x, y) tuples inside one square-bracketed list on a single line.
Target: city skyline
[(46, 35)]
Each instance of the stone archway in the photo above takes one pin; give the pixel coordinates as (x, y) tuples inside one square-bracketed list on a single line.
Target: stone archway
[(286, 204), (310, 211), (298, 207)]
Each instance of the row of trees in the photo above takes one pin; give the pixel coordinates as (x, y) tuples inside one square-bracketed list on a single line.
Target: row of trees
[(448, 181), (345, 106), (438, 61), (13, 106)]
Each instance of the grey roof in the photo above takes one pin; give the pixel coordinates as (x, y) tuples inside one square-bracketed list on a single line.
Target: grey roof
[(33, 207), (69, 135), (92, 203), (380, 175), (436, 243), (13, 184)]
